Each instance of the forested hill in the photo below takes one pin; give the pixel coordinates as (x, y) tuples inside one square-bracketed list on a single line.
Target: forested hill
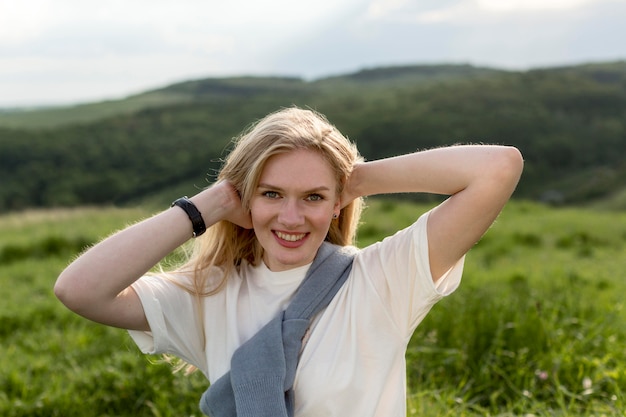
[(570, 124)]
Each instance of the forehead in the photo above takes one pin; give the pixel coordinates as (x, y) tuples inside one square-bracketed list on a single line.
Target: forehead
[(299, 168)]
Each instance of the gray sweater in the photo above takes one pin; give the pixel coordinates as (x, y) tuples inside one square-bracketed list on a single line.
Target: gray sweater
[(263, 369)]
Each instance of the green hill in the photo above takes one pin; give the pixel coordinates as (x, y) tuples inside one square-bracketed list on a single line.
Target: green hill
[(235, 87), (568, 122)]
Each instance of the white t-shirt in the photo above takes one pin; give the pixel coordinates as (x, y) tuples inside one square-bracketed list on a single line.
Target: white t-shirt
[(353, 363)]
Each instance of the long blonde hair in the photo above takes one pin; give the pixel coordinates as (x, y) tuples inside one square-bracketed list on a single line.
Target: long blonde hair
[(225, 245)]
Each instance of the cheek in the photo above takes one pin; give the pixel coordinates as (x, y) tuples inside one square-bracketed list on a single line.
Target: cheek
[(255, 215), (322, 219), (260, 214)]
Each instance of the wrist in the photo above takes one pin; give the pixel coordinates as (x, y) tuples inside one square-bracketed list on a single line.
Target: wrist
[(212, 203), (194, 215), (356, 182)]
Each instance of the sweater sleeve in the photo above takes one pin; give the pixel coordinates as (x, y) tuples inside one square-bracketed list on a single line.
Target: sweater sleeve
[(398, 268), (172, 314)]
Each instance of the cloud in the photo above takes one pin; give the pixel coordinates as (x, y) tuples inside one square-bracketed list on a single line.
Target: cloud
[(119, 27), (407, 10), (512, 6), (463, 11), (399, 32), (73, 50), (380, 9)]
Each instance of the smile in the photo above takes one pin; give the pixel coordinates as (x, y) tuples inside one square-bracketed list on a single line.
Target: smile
[(289, 237)]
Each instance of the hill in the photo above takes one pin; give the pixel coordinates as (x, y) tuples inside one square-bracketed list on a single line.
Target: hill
[(221, 88), (569, 123)]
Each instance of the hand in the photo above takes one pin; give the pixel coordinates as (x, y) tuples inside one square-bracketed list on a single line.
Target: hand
[(235, 213), (350, 189), (222, 202)]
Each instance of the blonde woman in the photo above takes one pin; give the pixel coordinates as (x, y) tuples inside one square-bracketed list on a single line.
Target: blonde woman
[(291, 183)]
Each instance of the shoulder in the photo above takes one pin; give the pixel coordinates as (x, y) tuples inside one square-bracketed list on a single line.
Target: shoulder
[(180, 283), (405, 241), (400, 261)]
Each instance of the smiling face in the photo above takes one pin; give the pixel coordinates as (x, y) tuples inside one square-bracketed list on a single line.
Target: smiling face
[(293, 207)]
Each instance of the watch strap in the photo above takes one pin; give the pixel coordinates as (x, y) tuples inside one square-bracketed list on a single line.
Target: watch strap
[(193, 213)]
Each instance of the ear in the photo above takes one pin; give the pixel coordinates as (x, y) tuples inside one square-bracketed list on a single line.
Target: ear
[(337, 209)]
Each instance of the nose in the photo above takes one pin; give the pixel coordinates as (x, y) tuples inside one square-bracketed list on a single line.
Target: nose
[(291, 214)]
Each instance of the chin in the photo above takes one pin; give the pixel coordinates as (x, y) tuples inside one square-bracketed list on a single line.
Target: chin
[(289, 258)]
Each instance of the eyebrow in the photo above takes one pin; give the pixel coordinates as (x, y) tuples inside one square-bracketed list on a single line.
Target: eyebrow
[(312, 190)]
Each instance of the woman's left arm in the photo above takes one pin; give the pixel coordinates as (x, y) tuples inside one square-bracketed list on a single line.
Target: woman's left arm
[(478, 178)]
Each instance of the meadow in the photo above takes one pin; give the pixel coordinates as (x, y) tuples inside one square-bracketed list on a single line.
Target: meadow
[(537, 328)]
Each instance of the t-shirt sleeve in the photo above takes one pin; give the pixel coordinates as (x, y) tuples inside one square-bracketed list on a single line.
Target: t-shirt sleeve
[(399, 270), (172, 314)]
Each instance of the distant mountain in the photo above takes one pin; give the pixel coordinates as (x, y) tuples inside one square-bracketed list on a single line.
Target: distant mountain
[(569, 122), (220, 88)]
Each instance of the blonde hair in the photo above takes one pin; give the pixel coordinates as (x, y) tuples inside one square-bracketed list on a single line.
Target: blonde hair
[(225, 245)]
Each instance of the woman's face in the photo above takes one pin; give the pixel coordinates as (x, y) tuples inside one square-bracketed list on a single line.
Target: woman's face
[(292, 208)]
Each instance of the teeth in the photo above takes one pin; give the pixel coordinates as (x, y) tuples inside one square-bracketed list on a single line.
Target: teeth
[(290, 237)]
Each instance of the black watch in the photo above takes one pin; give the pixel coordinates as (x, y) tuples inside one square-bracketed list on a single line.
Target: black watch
[(194, 215)]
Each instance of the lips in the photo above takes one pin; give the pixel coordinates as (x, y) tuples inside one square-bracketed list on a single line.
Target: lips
[(290, 237)]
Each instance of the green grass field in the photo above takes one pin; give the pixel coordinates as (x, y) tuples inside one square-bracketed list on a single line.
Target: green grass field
[(538, 327)]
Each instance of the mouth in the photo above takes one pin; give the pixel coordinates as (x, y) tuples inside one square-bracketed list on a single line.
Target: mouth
[(290, 237)]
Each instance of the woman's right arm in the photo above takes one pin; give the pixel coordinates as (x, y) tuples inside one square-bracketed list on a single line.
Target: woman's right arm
[(97, 284)]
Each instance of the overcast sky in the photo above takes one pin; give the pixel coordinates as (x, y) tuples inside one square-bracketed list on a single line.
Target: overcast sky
[(68, 51)]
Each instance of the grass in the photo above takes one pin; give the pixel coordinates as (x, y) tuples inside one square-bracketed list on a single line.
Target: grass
[(537, 328)]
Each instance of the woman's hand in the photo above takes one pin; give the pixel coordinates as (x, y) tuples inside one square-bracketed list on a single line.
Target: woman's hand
[(351, 190), (225, 204), (236, 214)]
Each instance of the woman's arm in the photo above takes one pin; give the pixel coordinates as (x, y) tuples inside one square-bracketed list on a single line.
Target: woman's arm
[(97, 284), (479, 179)]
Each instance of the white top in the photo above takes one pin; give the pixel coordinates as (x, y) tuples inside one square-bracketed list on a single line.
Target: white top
[(353, 363)]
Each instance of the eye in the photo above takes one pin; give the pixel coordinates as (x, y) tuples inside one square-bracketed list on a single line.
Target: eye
[(315, 197), (270, 194)]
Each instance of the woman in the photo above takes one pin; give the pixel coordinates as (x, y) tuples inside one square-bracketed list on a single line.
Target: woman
[(291, 183)]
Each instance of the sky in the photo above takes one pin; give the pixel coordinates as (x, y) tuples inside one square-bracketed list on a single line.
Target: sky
[(77, 51)]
